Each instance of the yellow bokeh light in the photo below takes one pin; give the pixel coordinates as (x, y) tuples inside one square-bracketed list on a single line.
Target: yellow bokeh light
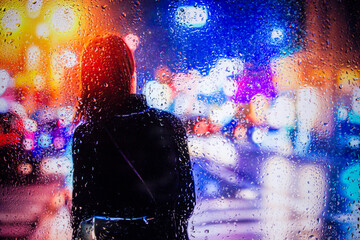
[(348, 79), (12, 27), (286, 72), (259, 105), (25, 79), (39, 82), (33, 57), (42, 30)]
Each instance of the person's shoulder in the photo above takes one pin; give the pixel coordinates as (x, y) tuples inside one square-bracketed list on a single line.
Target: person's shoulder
[(167, 119), (83, 131), (164, 115)]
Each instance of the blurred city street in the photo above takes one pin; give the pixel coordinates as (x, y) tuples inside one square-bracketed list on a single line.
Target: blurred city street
[(268, 92)]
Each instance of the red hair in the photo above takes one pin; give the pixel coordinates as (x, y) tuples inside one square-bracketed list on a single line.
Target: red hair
[(107, 69)]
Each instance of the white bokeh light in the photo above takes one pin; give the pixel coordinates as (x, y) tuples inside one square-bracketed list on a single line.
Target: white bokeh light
[(132, 41), (209, 85), (230, 87), (18, 109), (33, 8), (30, 125), (223, 114), (217, 149), (4, 81), (282, 113), (58, 166), (65, 114), (355, 105), (342, 113), (42, 30), (226, 67), (274, 141), (63, 19), (277, 174), (11, 19), (187, 83), (307, 106), (311, 187), (157, 95), (277, 35), (218, 77), (62, 60), (191, 16), (221, 151), (68, 58), (259, 135)]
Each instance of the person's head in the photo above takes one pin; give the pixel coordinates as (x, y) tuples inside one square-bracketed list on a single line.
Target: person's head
[(107, 69)]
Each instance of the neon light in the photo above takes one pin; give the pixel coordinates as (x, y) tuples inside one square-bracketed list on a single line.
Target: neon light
[(59, 142), (350, 177), (202, 128)]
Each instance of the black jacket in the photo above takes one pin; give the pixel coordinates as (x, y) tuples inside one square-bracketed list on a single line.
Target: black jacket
[(155, 143)]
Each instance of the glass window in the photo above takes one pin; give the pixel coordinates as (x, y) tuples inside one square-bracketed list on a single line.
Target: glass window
[(267, 92)]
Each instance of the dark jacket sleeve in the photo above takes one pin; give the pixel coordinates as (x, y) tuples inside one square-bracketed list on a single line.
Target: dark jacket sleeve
[(186, 192), (81, 176)]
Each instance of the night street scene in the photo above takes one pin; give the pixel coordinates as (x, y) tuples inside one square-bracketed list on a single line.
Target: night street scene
[(267, 93)]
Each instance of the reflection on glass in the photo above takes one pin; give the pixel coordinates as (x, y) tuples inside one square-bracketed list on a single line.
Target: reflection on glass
[(268, 91)]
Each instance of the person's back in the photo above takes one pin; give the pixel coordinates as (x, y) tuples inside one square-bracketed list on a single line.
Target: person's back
[(134, 164)]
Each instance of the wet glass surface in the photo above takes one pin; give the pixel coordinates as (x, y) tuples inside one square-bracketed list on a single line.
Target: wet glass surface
[(268, 92)]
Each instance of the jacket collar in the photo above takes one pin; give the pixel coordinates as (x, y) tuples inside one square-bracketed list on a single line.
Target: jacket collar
[(134, 104)]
